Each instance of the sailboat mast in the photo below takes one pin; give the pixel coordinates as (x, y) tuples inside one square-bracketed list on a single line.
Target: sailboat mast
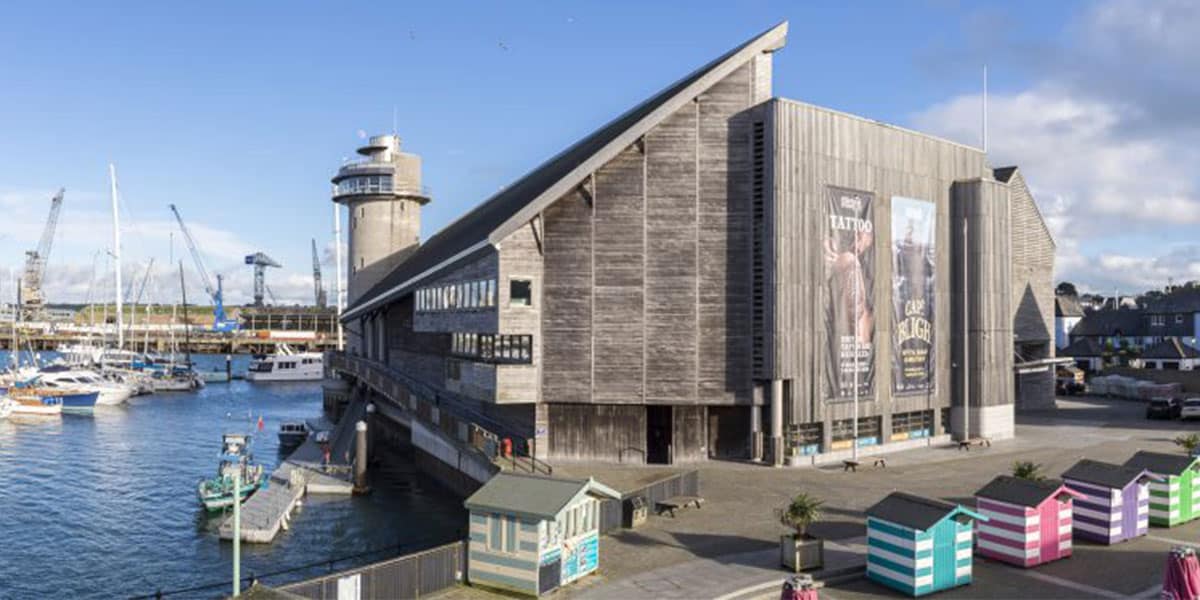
[(116, 252)]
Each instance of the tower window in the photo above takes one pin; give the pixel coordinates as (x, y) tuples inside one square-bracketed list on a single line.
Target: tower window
[(520, 292)]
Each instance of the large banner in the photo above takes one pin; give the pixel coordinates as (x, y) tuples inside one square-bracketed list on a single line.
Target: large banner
[(849, 281), (913, 282)]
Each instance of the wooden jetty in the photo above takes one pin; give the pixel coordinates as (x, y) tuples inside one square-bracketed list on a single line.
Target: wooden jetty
[(267, 512)]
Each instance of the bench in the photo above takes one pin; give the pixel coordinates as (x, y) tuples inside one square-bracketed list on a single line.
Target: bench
[(677, 502), (853, 465), (981, 442)]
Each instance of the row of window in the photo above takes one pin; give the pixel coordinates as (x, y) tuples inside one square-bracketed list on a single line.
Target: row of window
[(456, 296), (364, 184), (491, 347), (1161, 320), (843, 430), (912, 422)]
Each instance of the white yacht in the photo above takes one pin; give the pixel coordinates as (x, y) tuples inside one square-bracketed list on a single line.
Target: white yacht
[(111, 392), (287, 365)]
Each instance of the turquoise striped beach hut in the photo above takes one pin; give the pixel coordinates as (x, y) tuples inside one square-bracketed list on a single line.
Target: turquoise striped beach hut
[(532, 534), (919, 545)]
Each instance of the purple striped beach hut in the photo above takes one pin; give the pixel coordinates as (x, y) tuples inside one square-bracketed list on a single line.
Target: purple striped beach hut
[(1116, 506)]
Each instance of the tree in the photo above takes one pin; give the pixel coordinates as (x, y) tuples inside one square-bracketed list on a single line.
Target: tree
[(1027, 469), (1066, 288), (802, 512), (1188, 442)]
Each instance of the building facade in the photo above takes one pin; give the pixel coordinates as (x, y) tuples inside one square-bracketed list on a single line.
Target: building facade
[(722, 273)]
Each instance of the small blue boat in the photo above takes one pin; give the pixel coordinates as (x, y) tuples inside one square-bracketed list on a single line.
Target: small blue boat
[(78, 401)]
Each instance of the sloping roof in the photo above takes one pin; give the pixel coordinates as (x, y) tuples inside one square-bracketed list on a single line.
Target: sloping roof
[(1066, 305), (531, 495), (915, 512), (1171, 348), (1178, 300), (1160, 462), (1109, 322), (1024, 492), (470, 235), (1083, 347), (1104, 474)]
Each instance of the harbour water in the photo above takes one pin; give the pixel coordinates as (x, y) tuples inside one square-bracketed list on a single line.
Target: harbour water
[(104, 505)]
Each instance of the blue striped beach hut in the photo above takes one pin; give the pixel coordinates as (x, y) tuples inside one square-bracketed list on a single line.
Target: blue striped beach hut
[(1116, 506), (919, 545), (532, 534)]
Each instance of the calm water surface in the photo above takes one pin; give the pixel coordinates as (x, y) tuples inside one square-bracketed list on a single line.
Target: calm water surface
[(104, 505)]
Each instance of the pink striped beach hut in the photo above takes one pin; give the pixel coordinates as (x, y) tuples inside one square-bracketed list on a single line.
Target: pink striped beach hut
[(1029, 522)]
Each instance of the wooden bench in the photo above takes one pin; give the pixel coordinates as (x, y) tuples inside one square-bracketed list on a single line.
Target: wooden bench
[(675, 503), (981, 442), (853, 465)]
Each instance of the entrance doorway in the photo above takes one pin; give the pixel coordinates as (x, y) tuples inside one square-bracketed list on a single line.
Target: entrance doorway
[(658, 434)]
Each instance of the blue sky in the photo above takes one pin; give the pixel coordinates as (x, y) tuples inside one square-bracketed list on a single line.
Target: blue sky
[(240, 114)]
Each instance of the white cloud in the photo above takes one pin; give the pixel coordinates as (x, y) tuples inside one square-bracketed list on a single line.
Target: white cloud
[(1109, 166)]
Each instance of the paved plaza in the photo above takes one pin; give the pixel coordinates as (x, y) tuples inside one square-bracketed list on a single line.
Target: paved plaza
[(729, 549)]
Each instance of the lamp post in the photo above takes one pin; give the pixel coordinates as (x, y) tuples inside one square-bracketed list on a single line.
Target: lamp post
[(237, 532)]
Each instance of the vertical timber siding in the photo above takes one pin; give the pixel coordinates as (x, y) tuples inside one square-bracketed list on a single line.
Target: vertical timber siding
[(1033, 269), (567, 301)]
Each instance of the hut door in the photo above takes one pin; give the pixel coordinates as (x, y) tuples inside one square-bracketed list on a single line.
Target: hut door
[(1129, 512), (943, 555), (549, 576), (1187, 506)]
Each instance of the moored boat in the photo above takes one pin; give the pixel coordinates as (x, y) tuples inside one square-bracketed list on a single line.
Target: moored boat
[(292, 434), (219, 493), (286, 365), (34, 404)]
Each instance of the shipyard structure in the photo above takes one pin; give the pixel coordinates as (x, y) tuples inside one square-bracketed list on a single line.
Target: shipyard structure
[(716, 273)]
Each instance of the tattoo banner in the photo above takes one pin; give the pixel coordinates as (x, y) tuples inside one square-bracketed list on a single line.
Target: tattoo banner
[(850, 305), (913, 283)]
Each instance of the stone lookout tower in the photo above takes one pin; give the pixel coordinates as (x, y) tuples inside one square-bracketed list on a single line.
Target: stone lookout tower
[(384, 195)]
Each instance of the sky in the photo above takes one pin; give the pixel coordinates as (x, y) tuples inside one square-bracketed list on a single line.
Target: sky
[(239, 113)]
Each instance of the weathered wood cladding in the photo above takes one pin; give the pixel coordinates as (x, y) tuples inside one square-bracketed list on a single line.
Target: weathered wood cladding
[(520, 259), (815, 148), (1033, 269), (646, 271), (475, 320), (597, 432), (985, 206)]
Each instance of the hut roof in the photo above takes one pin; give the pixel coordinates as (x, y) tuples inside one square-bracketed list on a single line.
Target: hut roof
[(532, 495), (1024, 492), (1161, 462), (915, 512), (1105, 474)]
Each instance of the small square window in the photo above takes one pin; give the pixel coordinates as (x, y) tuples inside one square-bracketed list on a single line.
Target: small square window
[(520, 292)]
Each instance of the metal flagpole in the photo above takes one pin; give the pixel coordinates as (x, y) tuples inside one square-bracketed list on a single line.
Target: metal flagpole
[(237, 532), (337, 254)]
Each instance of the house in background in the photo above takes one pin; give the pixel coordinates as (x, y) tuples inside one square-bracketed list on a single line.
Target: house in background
[(1067, 314), (1170, 355), (919, 545), (1087, 353), (532, 534), (1029, 522)]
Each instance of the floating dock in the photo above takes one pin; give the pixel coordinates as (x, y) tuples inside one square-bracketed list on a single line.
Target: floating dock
[(269, 509)]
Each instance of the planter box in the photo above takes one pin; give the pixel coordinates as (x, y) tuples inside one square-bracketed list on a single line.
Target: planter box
[(801, 553)]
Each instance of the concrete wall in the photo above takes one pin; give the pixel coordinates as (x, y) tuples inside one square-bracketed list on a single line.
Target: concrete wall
[(382, 232)]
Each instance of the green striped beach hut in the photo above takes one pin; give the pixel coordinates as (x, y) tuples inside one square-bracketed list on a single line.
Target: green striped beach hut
[(532, 534), (919, 545), (1177, 499)]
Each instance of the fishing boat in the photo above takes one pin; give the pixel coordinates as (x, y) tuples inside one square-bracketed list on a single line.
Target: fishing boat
[(176, 382), (292, 434), (286, 365), (218, 493)]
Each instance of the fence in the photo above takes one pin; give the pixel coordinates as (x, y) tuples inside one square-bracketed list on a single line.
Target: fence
[(409, 576), (615, 514)]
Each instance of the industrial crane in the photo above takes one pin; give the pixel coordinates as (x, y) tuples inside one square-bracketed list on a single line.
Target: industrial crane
[(220, 321), (318, 290), (261, 262), (32, 300)]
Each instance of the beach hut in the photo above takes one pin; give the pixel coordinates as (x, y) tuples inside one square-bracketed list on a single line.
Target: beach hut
[(919, 545), (1029, 522), (1176, 499), (532, 534), (1116, 506)]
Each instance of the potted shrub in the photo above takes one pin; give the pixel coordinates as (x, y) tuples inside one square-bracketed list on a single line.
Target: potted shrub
[(798, 550), (1027, 469)]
